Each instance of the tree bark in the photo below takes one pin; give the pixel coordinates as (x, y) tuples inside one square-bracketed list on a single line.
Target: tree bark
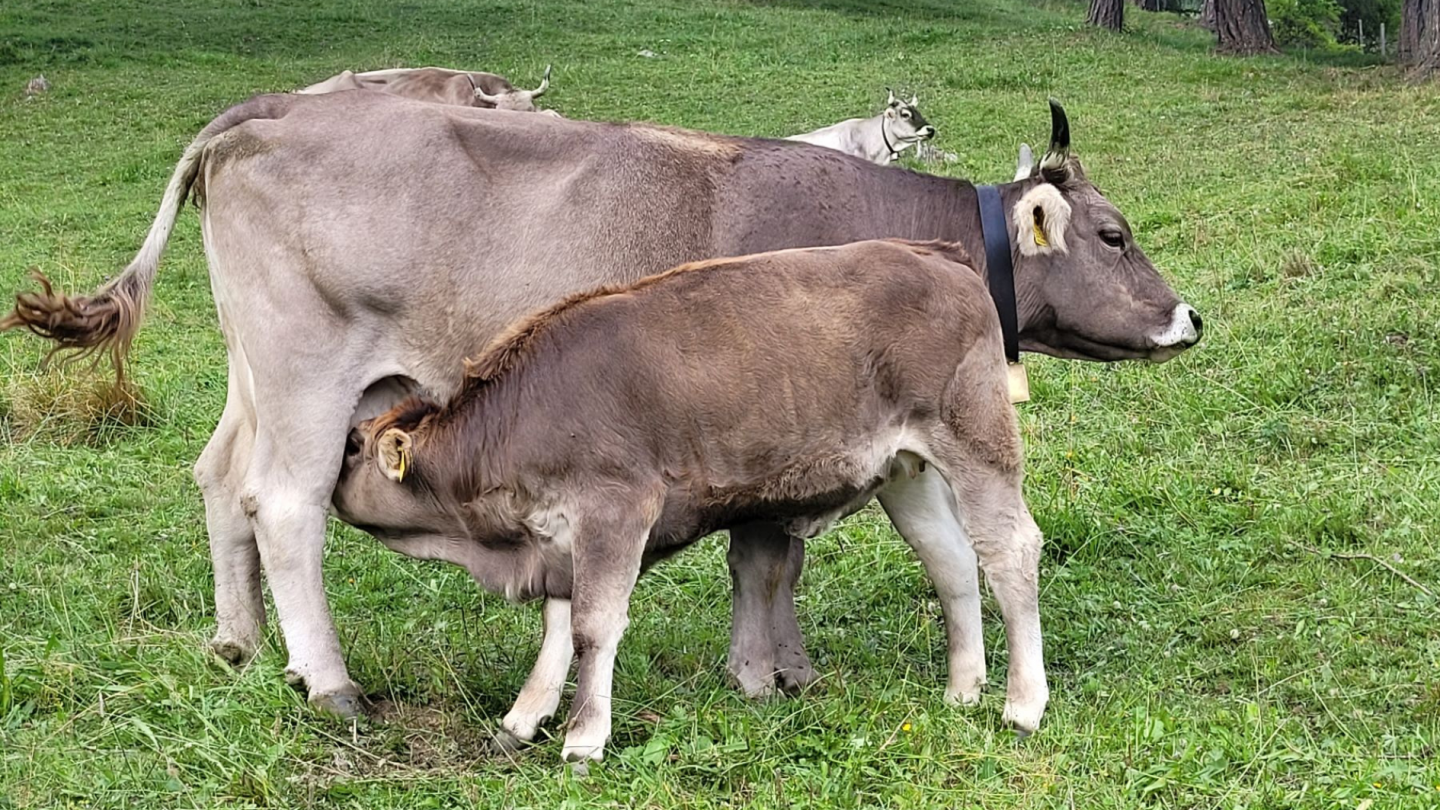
[(1109, 14), (1207, 15), (1420, 37), (1243, 28)]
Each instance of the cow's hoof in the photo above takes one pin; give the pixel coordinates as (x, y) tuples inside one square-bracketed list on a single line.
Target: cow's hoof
[(797, 678), (755, 682), (234, 652), (347, 704)]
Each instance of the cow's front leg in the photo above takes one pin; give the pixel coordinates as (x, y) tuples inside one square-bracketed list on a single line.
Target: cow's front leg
[(607, 554), (923, 512), (540, 696), (765, 641)]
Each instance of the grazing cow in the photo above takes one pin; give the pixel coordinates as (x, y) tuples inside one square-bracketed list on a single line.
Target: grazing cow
[(619, 426), (880, 139), (360, 245), (440, 85)]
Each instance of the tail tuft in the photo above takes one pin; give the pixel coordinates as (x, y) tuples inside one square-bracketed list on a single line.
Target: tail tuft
[(80, 327)]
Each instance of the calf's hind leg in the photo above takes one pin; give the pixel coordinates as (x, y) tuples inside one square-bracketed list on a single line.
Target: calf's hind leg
[(923, 512), (1007, 544)]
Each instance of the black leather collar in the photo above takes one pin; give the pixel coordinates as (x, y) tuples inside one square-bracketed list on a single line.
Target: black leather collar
[(1000, 267)]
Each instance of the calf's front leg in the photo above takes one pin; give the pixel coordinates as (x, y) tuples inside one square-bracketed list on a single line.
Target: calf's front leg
[(607, 555), (540, 696)]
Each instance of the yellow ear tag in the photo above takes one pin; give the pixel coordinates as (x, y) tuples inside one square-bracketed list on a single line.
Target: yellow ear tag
[(404, 463), (1019, 384), (1040, 235)]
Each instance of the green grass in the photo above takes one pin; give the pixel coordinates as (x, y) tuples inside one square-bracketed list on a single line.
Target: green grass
[(1198, 658)]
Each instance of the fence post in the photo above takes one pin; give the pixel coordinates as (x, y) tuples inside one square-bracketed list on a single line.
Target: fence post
[(1362, 34), (1382, 40)]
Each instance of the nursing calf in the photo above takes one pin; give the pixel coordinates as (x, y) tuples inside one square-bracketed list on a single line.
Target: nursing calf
[(615, 428)]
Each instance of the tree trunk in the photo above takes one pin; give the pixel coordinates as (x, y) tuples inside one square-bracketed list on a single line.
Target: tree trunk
[(1420, 37), (1244, 29), (1109, 14), (1207, 15), (1150, 5)]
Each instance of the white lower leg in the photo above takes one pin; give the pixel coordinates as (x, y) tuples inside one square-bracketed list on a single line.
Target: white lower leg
[(291, 537), (922, 510), (540, 696), (1013, 570)]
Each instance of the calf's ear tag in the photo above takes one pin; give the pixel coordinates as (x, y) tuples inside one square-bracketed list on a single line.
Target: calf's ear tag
[(1040, 236), (1019, 384)]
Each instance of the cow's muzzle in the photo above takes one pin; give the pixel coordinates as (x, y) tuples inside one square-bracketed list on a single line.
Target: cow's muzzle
[(1184, 331)]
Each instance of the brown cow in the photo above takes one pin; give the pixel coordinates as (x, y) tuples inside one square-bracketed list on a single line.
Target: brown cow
[(440, 85), (615, 428), (361, 244)]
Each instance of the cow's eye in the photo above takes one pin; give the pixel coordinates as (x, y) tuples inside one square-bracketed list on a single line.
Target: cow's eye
[(1113, 238), (904, 113)]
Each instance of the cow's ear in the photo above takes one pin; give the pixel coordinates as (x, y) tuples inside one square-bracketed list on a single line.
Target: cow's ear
[(395, 454), (1041, 218)]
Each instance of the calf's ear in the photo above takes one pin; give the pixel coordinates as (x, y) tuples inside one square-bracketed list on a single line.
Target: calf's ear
[(1041, 218), (394, 454)]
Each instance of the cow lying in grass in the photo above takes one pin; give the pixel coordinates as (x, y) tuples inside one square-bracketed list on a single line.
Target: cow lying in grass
[(878, 139), (439, 85), (615, 428)]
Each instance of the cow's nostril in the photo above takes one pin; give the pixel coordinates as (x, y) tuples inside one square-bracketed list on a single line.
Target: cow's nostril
[(1197, 322)]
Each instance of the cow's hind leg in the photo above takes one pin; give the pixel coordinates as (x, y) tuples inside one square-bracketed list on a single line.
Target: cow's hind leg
[(301, 423), (609, 543), (540, 696), (922, 509), (219, 472)]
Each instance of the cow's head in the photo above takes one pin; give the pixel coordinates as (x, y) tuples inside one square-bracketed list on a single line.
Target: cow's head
[(904, 123), (389, 486), (1083, 287), (512, 99)]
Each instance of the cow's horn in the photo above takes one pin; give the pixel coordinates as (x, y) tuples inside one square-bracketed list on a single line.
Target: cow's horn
[(544, 85), (1059, 149), (481, 94)]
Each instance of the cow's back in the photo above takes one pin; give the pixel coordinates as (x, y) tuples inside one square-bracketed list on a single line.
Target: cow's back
[(434, 226)]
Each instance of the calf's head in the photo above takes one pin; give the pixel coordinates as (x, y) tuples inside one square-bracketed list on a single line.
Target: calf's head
[(512, 99), (389, 486), (903, 121), (1084, 289)]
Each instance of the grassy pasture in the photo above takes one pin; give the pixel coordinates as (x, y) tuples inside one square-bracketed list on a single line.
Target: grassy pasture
[(1199, 656)]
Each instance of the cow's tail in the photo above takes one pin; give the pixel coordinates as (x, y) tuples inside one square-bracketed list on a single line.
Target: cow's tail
[(107, 320)]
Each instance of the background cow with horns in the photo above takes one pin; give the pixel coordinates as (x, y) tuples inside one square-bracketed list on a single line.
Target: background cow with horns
[(352, 283), (440, 85)]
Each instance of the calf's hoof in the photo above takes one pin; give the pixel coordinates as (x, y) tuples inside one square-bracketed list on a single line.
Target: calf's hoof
[(347, 705), (235, 652), (506, 744), (582, 753), (967, 694), (1023, 717)]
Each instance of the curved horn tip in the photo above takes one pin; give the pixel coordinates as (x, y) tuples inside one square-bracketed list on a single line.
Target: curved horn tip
[(1059, 126)]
